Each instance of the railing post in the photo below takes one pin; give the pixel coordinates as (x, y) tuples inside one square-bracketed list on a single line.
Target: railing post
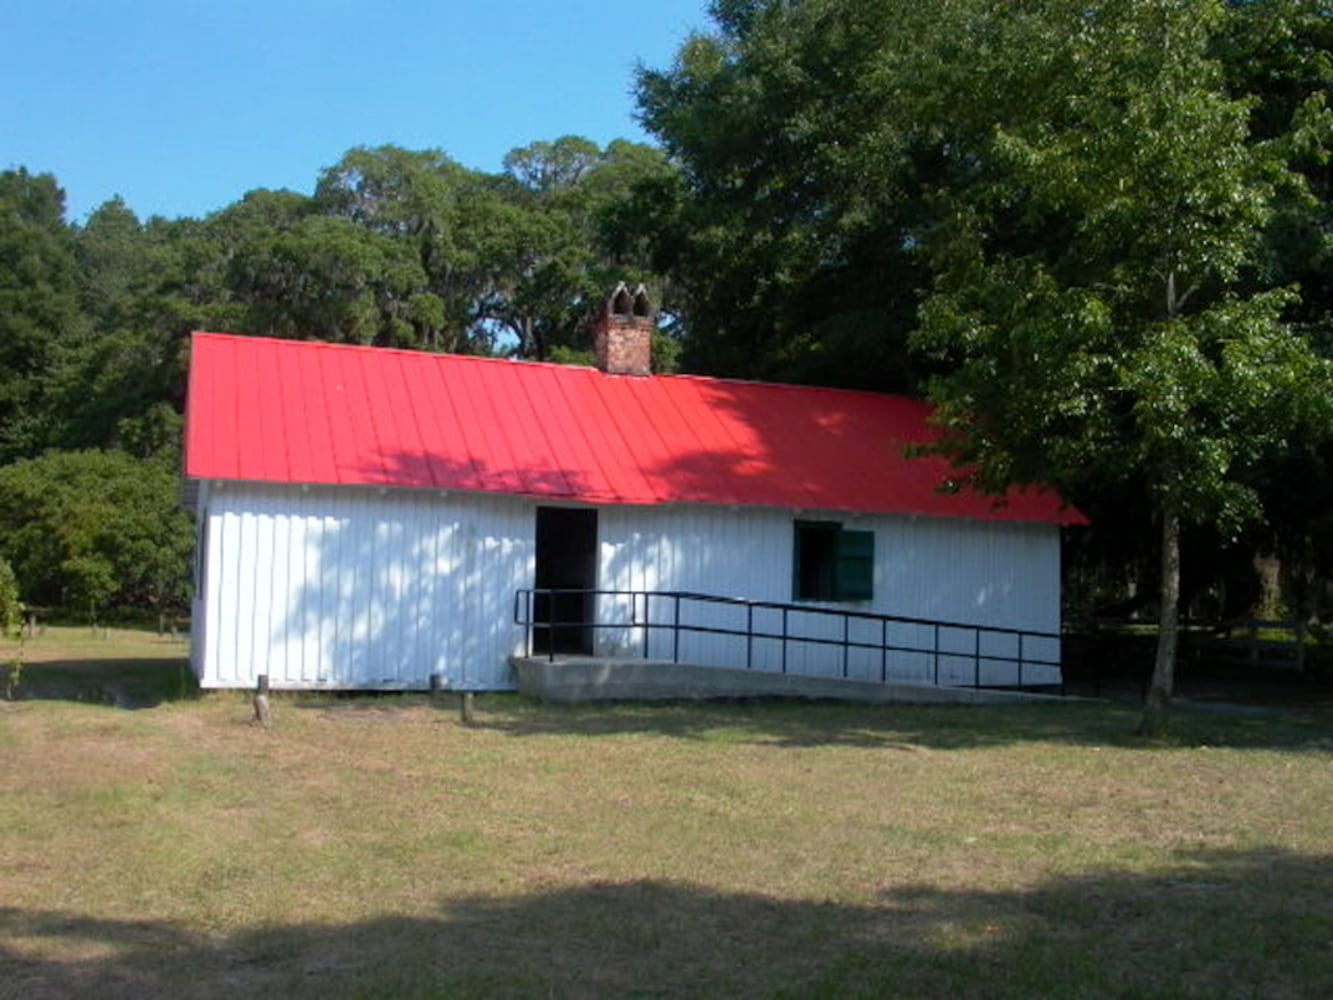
[(883, 650), (647, 622), (749, 636), (1020, 659), (523, 602), (976, 657), (784, 640), (846, 648), (937, 656), (675, 633)]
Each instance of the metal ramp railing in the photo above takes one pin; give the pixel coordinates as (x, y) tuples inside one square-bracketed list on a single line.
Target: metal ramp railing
[(772, 632)]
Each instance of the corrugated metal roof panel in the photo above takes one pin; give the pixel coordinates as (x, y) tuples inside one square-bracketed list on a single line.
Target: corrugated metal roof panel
[(304, 412)]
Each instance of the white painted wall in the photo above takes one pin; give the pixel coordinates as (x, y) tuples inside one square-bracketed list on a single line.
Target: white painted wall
[(353, 588), (1003, 575)]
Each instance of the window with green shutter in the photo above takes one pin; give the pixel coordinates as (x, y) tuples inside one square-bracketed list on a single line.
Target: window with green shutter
[(855, 573), (830, 563)]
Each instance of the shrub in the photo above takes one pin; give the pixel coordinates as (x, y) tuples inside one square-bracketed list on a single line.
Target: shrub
[(11, 608), (90, 529)]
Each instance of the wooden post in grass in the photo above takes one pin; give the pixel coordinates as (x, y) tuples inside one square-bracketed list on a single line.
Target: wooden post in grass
[(438, 686), (261, 701)]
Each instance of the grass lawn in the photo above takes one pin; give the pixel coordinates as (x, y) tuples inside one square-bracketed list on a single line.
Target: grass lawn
[(125, 667), (377, 847)]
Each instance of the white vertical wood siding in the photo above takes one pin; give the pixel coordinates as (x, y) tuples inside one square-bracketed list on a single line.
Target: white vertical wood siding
[(351, 588), (1001, 575)]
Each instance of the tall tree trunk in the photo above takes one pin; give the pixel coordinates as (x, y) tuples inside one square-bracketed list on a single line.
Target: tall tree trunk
[(1164, 668)]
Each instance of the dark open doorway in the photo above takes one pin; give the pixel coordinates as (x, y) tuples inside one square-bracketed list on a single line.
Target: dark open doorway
[(566, 560)]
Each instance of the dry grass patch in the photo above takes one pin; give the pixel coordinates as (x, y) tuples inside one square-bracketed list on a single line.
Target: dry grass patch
[(376, 847)]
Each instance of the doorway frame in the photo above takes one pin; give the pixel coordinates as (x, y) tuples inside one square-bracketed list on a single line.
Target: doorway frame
[(565, 557)]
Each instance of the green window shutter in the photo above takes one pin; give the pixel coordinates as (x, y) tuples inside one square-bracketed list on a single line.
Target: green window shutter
[(855, 579)]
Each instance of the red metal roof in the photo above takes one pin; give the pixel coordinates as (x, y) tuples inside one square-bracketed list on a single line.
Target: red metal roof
[(289, 411)]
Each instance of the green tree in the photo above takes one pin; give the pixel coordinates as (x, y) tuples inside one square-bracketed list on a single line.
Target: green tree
[(557, 240), (1088, 310), (140, 292), (11, 607), (112, 265), (93, 529), (11, 626), (428, 203), (541, 275), (41, 324), (788, 233), (551, 167), (331, 278), (1279, 55)]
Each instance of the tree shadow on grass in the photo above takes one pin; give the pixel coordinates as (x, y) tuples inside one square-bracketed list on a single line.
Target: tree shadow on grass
[(1217, 923), (937, 727), (124, 683)]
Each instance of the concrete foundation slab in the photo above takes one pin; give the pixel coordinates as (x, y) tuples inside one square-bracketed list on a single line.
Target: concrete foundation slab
[(572, 679)]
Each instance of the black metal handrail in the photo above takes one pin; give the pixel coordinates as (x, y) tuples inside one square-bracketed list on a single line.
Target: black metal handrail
[(525, 601)]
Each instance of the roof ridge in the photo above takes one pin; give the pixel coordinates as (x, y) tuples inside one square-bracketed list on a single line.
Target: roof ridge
[(553, 365)]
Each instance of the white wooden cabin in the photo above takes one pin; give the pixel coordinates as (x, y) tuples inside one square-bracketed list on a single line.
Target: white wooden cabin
[(368, 518)]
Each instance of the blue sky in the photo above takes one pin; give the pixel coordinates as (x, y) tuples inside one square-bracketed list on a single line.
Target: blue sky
[(181, 106)]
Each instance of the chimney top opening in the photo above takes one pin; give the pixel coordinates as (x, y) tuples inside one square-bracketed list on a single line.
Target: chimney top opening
[(622, 304)]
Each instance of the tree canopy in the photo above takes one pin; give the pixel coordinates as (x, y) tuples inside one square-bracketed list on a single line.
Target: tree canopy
[(41, 323)]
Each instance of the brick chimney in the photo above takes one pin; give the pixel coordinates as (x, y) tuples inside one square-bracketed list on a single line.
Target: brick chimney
[(623, 332)]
